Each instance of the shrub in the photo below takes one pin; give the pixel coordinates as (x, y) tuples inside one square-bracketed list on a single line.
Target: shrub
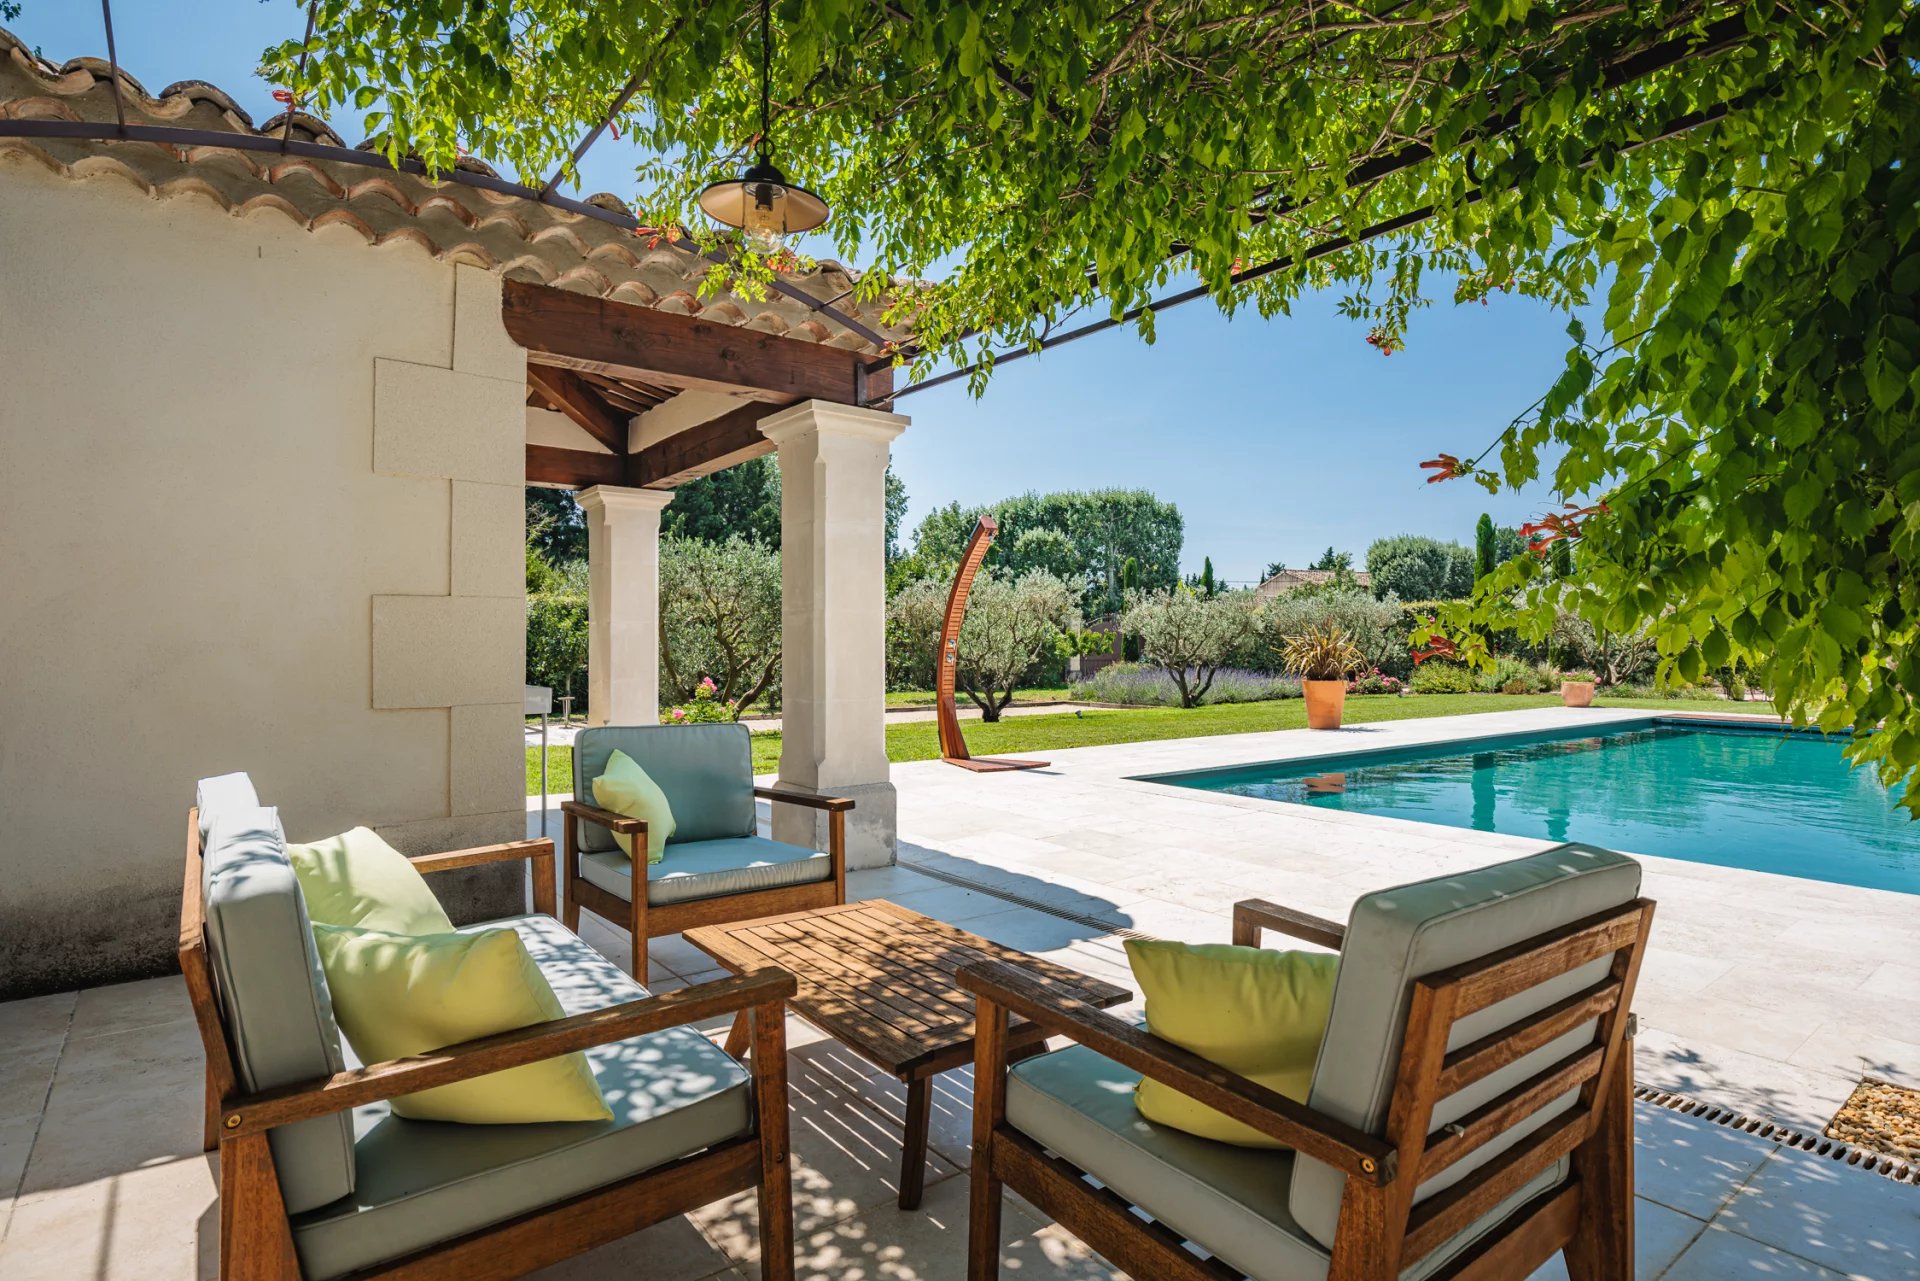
[(1375, 682), (1412, 567), (707, 707), (1374, 626), (1510, 675), (1437, 677), (557, 630), (1144, 685)]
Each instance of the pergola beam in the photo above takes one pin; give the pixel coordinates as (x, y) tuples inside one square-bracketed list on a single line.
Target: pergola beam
[(573, 468), (574, 398), (702, 449), (580, 332)]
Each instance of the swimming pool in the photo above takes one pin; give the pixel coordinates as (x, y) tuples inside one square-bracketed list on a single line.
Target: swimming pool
[(1756, 797)]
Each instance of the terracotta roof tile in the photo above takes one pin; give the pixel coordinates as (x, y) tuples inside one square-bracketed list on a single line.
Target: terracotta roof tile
[(514, 235)]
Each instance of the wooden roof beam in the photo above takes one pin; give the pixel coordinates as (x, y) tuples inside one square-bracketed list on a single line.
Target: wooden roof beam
[(702, 449), (581, 404), (625, 341)]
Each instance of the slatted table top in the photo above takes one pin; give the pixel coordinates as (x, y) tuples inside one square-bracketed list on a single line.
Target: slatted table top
[(879, 978)]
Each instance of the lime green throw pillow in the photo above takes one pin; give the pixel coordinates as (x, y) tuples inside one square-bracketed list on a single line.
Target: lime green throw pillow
[(397, 994), (1257, 1013), (625, 789), (359, 880)]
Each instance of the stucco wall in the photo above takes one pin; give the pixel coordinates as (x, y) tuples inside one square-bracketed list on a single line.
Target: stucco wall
[(260, 508)]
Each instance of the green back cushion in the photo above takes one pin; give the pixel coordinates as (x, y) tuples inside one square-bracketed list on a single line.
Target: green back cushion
[(273, 995), (1259, 1014), (706, 772), (357, 879)]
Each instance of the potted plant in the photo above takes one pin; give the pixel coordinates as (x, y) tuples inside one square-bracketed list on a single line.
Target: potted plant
[(1576, 689), (1322, 657)]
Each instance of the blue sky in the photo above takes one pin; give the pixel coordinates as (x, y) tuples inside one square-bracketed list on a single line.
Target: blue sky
[(1275, 437)]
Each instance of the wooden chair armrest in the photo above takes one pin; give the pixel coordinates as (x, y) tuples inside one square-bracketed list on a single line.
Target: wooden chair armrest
[(507, 852), (252, 1114), (606, 818), (1358, 1154), (1250, 916), (833, 804)]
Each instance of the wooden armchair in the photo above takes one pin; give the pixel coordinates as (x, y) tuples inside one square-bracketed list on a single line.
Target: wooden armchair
[(1471, 1112), (317, 1182), (717, 868)]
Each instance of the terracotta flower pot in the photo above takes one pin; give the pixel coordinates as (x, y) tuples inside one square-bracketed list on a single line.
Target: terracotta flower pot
[(1576, 693), (1326, 702)]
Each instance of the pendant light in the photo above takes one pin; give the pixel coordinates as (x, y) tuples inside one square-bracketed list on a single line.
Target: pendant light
[(761, 202)]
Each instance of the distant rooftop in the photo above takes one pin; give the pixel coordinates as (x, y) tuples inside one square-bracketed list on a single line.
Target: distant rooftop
[(1291, 580)]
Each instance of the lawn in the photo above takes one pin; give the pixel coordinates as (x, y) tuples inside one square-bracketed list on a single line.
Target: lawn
[(925, 697), (919, 741)]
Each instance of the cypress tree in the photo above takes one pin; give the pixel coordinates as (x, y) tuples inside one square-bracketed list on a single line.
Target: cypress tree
[(1483, 547)]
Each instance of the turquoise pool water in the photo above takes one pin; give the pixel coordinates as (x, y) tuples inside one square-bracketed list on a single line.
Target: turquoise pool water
[(1763, 799)]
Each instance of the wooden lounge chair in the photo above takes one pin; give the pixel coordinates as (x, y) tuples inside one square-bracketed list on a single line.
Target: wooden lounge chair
[(318, 1180), (1471, 1112), (717, 868)]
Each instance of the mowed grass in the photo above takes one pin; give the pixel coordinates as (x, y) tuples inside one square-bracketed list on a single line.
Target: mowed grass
[(920, 741)]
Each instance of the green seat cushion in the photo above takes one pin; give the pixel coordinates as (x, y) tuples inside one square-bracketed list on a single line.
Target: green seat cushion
[(1397, 935), (272, 994), (1230, 1200), (710, 869), (706, 772), (420, 1183)]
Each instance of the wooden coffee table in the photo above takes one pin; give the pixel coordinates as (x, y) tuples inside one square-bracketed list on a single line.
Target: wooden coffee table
[(878, 978)]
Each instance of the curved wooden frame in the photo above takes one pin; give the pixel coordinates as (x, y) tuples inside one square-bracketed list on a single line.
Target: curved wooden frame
[(953, 745)]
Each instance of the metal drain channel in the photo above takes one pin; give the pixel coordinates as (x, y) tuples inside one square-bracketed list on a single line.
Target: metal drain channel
[(1834, 1149)]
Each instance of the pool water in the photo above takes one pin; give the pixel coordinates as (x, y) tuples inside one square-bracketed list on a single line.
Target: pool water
[(1760, 798)]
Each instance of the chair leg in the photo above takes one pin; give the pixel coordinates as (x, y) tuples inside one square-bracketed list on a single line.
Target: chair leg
[(210, 1134), (637, 925), (569, 872), (255, 1242), (1602, 1245)]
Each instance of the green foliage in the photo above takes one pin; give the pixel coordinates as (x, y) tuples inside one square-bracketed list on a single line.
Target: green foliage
[(557, 627), (1374, 626), (1337, 562), (706, 707), (719, 619), (1415, 567), (1205, 582), (1074, 643), (1009, 626), (556, 527), (1436, 676), (1321, 653), (742, 501), (1747, 410), (1190, 635), (1483, 547), (1099, 532)]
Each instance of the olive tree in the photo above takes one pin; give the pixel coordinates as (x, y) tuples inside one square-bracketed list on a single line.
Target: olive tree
[(1011, 623), (719, 618), (1191, 635)]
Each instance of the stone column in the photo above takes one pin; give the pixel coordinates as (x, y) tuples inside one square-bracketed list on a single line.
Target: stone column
[(833, 523), (623, 603)]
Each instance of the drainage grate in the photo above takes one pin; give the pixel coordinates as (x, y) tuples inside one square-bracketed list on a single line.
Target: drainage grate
[(1860, 1158)]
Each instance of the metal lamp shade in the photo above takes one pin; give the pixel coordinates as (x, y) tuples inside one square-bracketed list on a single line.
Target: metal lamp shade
[(765, 206)]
